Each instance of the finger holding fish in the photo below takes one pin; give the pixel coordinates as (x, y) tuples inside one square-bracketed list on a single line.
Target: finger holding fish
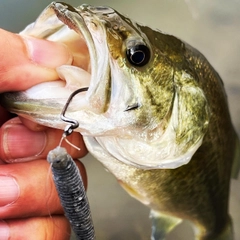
[(26, 211), (29, 197), (19, 143), (37, 228), (28, 194), (35, 196), (35, 62)]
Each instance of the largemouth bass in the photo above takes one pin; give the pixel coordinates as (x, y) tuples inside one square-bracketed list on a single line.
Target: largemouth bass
[(155, 114)]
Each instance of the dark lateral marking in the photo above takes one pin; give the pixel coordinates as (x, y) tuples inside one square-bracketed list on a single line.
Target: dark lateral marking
[(71, 192), (132, 107)]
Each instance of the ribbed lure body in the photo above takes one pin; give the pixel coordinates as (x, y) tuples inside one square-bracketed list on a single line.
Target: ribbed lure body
[(72, 193)]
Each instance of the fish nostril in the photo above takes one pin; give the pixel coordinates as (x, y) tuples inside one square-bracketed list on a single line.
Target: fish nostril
[(84, 6), (94, 25)]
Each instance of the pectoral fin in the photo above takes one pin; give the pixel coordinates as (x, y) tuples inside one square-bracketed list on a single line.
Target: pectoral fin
[(162, 224)]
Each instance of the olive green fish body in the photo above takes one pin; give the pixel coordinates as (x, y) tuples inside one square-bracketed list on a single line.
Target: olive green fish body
[(199, 190), (155, 114)]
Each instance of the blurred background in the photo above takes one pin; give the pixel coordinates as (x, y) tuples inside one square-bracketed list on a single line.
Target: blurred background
[(213, 27)]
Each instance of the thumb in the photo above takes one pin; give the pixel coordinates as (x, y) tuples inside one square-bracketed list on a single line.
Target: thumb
[(27, 61)]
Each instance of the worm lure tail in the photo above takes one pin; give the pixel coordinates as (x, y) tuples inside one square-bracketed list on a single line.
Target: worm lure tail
[(72, 193)]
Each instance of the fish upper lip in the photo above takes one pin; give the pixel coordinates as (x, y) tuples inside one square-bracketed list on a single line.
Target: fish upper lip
[(75, 21), (79, 19)]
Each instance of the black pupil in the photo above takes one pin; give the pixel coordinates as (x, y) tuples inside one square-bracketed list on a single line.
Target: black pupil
[(138, 55)]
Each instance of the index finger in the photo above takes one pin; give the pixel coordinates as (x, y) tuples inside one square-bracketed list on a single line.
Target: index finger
[(25, 62)]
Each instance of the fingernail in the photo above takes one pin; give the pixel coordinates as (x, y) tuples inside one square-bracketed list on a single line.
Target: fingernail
[(9, 190), (21, 144), (47, 53), (4, 231)]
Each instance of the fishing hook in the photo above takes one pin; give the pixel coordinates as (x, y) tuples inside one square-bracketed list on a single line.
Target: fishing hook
[(73, 123)]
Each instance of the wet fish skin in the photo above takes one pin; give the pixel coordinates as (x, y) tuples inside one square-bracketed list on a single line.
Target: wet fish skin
[(197, 191)]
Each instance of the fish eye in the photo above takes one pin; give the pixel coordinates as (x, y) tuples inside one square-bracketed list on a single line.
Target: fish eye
[(138, 55)]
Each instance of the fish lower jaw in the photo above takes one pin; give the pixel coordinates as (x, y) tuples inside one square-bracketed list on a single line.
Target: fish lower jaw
[(139, 154)]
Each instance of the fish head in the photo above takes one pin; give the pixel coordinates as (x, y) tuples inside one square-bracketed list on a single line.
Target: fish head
[(141, 95)]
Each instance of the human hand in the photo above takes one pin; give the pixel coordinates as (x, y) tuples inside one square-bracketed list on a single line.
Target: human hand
[(29, 204)]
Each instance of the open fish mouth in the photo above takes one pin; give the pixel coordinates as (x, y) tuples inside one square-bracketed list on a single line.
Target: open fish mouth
[(61, 22), (94, 51)]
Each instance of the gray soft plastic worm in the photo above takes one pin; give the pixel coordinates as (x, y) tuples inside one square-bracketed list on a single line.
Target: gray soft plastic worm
[(72, 193)]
